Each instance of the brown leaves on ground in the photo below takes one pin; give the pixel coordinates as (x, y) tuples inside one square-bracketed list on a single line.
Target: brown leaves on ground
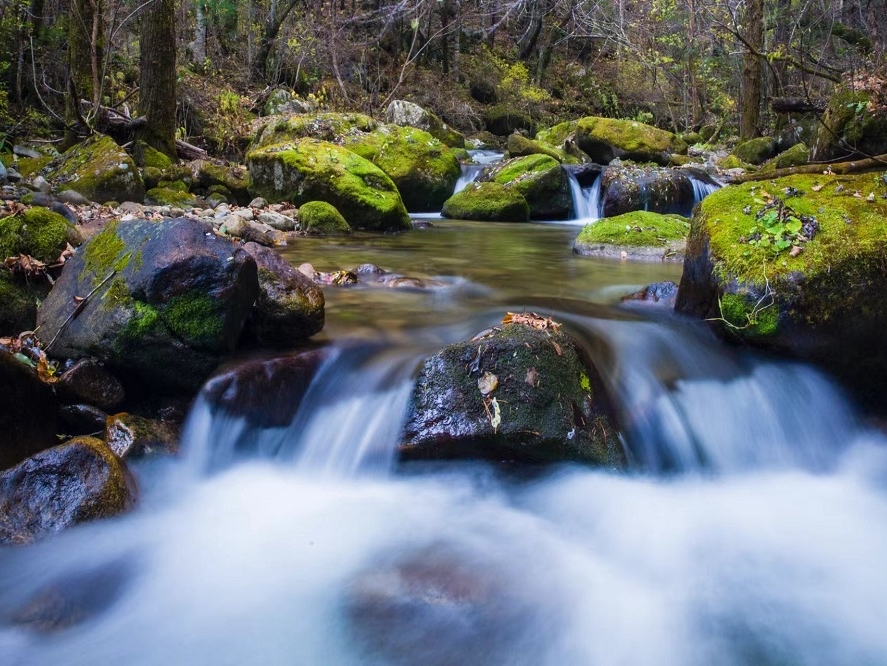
[(532, 320), (25, 348)]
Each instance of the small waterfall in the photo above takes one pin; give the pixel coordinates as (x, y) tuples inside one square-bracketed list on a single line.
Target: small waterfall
[(586, 200), (484, 157), (702, 189), (470, 172)]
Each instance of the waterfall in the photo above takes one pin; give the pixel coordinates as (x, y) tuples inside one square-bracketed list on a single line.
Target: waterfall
[(586, 200), (702, 188), (470, 172)]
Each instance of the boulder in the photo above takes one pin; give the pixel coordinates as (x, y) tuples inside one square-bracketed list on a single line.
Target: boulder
[(37, 232), (71, 483), (165, 301), (407, 114), (520, 146), (235, 180), (29, 417), (311, 170), (424, 169), (542, 182), (330, 127), (520, 392), (132, 436), (88, 381), (637, 235), (854, 125), (290, 307), (165, 196), (98, 169), (487, 202), (503, 119), (605, 139), (797, 155), (662, 294), (321, 218), (756, 151), (629, 188), (796, 266)]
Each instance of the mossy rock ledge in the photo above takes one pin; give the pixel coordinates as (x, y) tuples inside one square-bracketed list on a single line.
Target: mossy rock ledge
[(605, 139), (311, 170), (98, 169), (169, 300), (542, 182), (826, 303), (487, 202), (513, 393), (640, 235)]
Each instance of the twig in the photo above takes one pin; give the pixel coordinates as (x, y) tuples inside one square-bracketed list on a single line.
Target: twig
[(78, 309)]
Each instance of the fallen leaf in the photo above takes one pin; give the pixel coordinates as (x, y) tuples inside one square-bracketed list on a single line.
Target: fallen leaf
[(496, 419), (557, 348), (817, 188), (531, 319), (795, 251), (532, 377), (487, 383)]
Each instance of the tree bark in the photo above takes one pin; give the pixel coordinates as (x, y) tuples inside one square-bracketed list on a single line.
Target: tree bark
[(86, 51), (157, 67), (752, 70)]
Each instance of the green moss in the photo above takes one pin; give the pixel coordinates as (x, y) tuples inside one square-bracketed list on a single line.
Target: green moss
[(163, 196), (319, 217), (504, 119), (193, 317), (100, 170), (756, 151), (105, 253), (749, 314), (524, 167), (331, 127), (558, 134), (175, 185), (30, 166), (151, 176), (797, 155), (733, 162), (849, 121), (151, 157), (488, 201), (37, 232), (637, 229), (638, 141), (521, 146)]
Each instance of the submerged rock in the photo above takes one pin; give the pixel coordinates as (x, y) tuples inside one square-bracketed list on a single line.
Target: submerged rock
[(70, 483), (661, 294), (796, 266), (512, 393), (166, 301)]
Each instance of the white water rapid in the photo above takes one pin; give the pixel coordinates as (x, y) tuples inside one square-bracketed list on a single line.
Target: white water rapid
[(586, 201)]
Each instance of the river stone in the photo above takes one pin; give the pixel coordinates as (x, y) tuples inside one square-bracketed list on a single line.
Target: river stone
[(29, 413), (662, 294), (290, 307), (625, 189), (170, 300), (73, 198), (83, 419), (132, 436), (512, 393), (88, 381), (70, 483), (277, 221), (487, 202)]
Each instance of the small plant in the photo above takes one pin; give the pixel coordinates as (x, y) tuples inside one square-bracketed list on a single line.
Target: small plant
[(779, 227)]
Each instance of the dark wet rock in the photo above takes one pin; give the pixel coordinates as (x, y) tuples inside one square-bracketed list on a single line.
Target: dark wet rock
[(73, 198), (18, 305), (290, 307), (83, 419), (505, 119), (71, 483), (515, 393), (265, 392), (821, 297), (443, 605), (29, 413), (169, 300), (626, 189), (132, 436), (89, 381), (659, 293)]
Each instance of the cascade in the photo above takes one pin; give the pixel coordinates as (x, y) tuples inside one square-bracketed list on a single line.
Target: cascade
[(586, 200)]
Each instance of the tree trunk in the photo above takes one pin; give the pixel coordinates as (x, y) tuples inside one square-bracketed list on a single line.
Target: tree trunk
[(198, 50), (157, 67), (752, 70)]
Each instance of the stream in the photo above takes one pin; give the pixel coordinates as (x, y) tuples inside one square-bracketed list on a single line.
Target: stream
[(750, 530)]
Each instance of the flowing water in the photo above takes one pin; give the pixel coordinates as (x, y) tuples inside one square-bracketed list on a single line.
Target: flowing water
[(752, 528)]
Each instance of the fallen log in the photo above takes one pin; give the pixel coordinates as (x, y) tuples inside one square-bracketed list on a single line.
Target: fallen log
[(877, 162), (796, 105)]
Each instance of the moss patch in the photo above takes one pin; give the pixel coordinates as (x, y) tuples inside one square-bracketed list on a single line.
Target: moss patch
[(488, 201), (194, 318), (37, 232), (606, 138), (638, 229), (105, 253), (319, 217), (164, 196), (756, 151), (332, 127), (100, 170), (557, 134), (797, 155), (748, 313)]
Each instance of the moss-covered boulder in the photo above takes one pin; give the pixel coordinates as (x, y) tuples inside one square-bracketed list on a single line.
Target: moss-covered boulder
[(555, 136), (503, 119), (38, 232), (290, 307), (637, 235), (487, 202), (71, 483), (756, 151), (630, 188), (424, 170), (796, 266), (797, 155), (98, 169), (147, 156), (168, 301), (542, 182), (605, 139), (322, 219), (519, 392), (167, 196), (406, 114), (209, 176), (18, 305), (853, 125), (311, 170), (331, 127), (732, 162), (520, 146)]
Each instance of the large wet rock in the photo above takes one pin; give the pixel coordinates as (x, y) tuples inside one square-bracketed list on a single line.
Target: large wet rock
[(515, 393), (165, 301), (72, 483), (638, 235), (487, 202), (854, 125), (423, 168), (406, 114), (29, 413), (796, 266), (658, 190), (290, 307), (756, 151), (98, 169), (310, 170), (542, 182)]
